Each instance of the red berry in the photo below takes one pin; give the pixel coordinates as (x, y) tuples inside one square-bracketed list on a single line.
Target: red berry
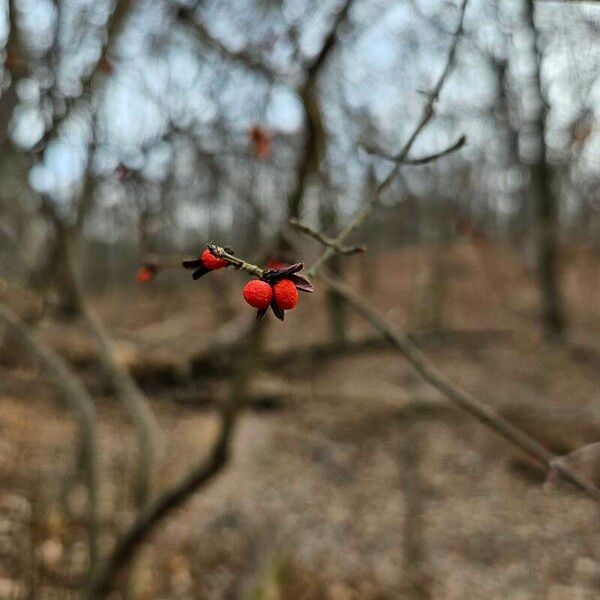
[(286, 294), (144, 275), (276, 264), (211, 262), (258, 293), (261, 140)]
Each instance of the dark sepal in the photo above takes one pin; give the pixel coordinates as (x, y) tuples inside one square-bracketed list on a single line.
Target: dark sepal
[(199, 272), (303, 284), (260, 313), (269, 276), (272, 276), (191, 263), (287, 271), (279, 312)]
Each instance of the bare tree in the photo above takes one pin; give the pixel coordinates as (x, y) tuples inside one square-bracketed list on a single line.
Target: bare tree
[(544, 194)]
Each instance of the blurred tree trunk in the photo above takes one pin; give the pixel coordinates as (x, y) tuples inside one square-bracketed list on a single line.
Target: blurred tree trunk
[(545, 201), (328, 213), (429, 287), (309, 172), (313, 149), (308, 166), (314, 146), (9, 99), (336, 307), (414, 560), (65, 234), (51, 269)]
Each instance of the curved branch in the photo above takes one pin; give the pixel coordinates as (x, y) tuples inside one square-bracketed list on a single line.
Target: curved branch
[(78, 400), (427, 114), (323, 239), (330, 41), (113, 29), (133, 399), (423, 160), (190, 483), (244, 57)]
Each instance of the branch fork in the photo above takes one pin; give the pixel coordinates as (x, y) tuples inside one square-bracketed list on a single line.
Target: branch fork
[(325, 240)]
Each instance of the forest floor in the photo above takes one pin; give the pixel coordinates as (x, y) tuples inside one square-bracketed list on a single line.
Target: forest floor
[(356, 480)]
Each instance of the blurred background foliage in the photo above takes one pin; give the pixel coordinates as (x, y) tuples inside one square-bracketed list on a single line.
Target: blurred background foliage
[(196, 111)]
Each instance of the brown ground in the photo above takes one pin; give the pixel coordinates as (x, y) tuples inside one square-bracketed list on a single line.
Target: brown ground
[(346, 490)]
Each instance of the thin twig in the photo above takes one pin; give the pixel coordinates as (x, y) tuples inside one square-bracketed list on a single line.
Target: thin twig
[(329, 42), (235, 261), (480, 411), (324, 240), (175, 496), (375, 194), (247, 58), (415, 162), (129, 393), (417, 359), (78, 400), (114, 27), (244, 57)]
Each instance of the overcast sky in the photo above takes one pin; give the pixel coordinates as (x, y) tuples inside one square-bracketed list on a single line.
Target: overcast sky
[(372, 88)]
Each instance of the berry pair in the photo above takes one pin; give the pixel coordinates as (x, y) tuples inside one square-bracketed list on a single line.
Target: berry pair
[(277, 288), (260, 294)]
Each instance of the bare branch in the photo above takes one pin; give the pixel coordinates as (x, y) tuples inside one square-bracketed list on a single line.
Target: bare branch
[(133, 399), (78, 400), (486, 415), (428, 112), (480, 411), (313, 149), (235, 261), (462, 140), (330, 41), (244, 57), (324, 240), (175, 496), (113, 29)]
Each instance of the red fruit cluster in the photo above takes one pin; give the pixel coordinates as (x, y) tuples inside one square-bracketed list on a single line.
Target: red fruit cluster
[(260, 294), (277, 289)]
